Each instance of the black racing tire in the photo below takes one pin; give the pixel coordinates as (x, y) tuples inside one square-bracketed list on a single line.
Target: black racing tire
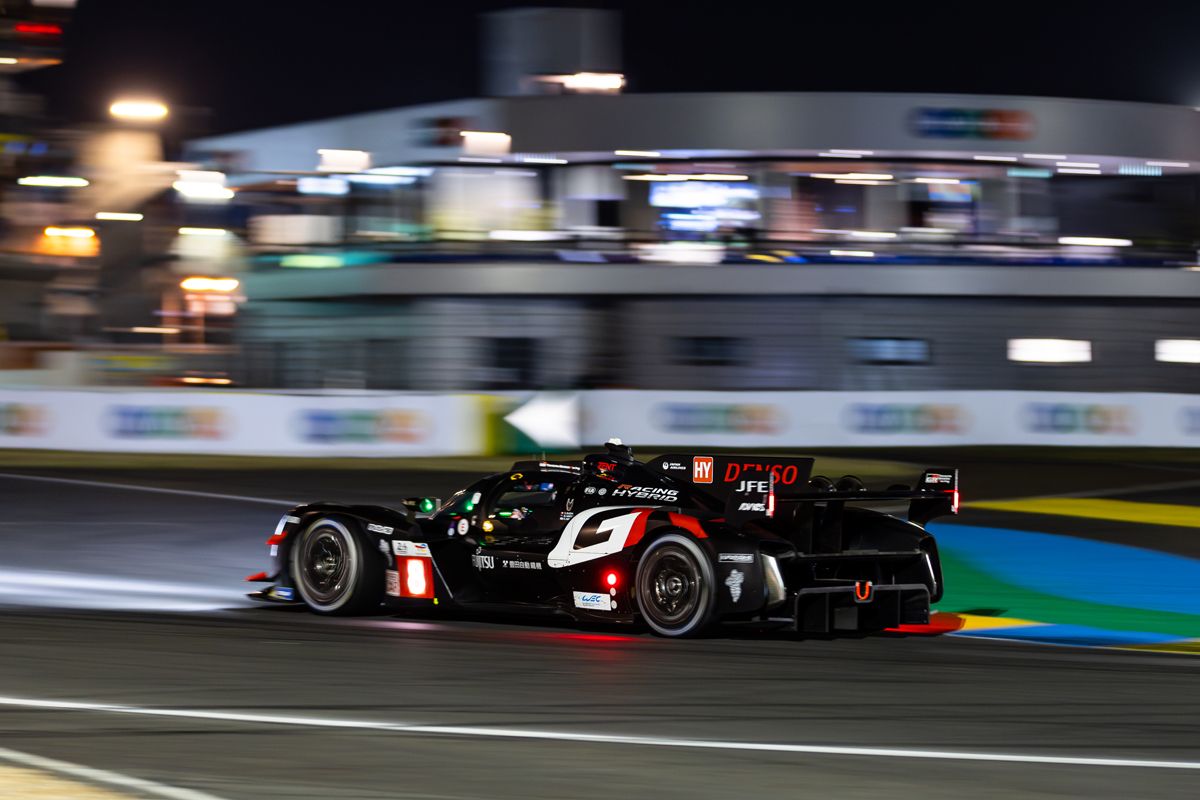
[(334, 570), (675, 587)]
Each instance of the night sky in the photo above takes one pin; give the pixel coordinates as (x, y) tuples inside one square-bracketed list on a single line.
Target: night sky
[(236, 64)]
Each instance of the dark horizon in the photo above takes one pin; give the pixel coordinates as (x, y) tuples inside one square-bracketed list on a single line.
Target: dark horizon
[(247, 65)]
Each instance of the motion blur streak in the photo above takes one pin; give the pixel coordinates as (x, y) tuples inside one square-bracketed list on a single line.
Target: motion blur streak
[(593, 738), (155, 489), (76, 590)]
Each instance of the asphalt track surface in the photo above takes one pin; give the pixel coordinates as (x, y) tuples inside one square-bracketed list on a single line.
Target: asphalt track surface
[(129, 604)]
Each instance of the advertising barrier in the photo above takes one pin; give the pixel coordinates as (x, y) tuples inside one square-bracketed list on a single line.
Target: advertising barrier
[(381, 424), (242, 423)]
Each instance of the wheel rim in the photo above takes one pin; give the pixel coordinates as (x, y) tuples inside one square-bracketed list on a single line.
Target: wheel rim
[(327, 565), (672, 587)]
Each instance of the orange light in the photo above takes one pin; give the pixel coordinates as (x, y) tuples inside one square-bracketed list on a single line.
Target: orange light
[(611, 579)]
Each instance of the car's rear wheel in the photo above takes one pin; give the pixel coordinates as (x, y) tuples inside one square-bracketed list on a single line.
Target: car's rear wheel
[(334, 572), (675, 586)]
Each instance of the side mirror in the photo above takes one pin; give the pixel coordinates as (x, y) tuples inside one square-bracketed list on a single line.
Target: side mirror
[(421, 506)]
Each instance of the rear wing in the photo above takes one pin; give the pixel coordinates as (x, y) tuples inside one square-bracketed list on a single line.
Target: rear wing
[(934, 495)]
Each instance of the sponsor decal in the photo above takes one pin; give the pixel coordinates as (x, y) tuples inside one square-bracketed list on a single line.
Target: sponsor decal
[(284, 592), (595, 533), (602, 491), (734, 582), (481, 561), (905, 418), (673, 466), (718, 418), (411, 549), (971, 123), (167, 422), (594, 601), (1078, 418), (565, 516), (646, 493), (589, 490), (462, 526), (606, 466), (753, 507), (333, 426), (784, 474), (22, 419), (373, 528), (518, 563), (392, 585), (702, 469), (937, 477), (735, 558), (1190, 420)]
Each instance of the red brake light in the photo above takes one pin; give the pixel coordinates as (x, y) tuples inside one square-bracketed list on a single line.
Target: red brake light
[(38, 28), (610, 579), (953, 501), (416, 576)]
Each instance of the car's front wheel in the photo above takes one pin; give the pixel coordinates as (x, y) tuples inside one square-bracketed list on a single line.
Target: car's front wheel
[(674, 585), (334, 572)]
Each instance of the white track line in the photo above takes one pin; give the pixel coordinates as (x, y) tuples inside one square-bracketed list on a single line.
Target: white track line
[(155, 489), (591, 738), (102, 776)]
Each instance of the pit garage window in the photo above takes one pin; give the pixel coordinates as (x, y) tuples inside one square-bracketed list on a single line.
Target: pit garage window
[(882, 351), (708, 351)]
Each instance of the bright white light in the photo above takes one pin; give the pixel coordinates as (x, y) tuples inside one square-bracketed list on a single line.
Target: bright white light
[(1179, 164), (485, 143), (927, 230), (333, 160), (53, 180), (836, 154), (414, 576), (56, 232), (1074, 171), (716, 176), (138, 110), (151, 329), (682, 253), (1046, 156), (847, 152), (1050, 351), (853, 253), (480, 160), (203, 185), (702, 176), (872, 235), (1177, 351), (201, 283), (8, 61), (994, 158), (947, 181), (374, 179), (854, 182), (202, 232), (543, 160), (653, 177), (327, 186), (1094, 241), (416, 172), (593, 81), (1082, 164), (526, 236), (638, 153), (854, 176), (118, 216)]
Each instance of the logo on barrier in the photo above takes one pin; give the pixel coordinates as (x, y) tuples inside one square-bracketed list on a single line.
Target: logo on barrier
[(905, 418), (971, 123), (167, 422), (1078, 418), (363, 425), (1189, 420), (22, 419), (718, 418)]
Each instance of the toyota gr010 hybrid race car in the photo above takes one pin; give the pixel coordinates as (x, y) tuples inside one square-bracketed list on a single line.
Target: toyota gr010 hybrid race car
[(678, 543)]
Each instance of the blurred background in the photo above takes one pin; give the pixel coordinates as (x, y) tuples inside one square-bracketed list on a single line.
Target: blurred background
[(516, 213)]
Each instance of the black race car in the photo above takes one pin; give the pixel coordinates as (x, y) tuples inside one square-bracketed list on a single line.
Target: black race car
[(678, 543)]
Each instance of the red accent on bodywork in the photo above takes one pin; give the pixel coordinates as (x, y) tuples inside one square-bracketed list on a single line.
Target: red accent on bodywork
[(257, 577), (277, 538), (38, 28), (690, 524), (638, 529)]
